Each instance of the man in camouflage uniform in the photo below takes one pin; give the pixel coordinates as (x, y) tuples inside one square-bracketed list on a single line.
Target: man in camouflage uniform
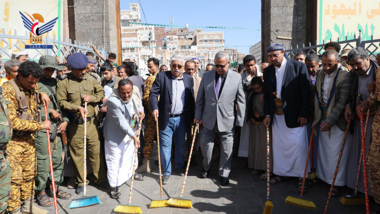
[(5, 169), (24, 114), (73, 90), (373, 103), (59, 122)]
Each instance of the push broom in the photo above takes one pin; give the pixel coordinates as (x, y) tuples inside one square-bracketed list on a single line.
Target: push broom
[(85, 201), (301, 201), (354, 199), (180, 202), (268, 204), (337, 167), (51, 165), (130, 208), (162, 202)]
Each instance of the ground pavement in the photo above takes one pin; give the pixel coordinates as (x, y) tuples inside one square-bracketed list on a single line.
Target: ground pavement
[(245, 194)]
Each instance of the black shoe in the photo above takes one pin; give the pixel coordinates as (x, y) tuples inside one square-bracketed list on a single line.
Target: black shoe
[(165, 179), (224, 181), (180, 171), (204, 173), (79, 190)]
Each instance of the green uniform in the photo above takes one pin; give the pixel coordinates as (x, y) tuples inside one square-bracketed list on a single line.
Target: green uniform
[(43, 168), (5, 169), (69, 93)]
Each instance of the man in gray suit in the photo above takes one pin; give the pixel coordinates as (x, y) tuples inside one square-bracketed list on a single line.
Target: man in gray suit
[(220, 92)]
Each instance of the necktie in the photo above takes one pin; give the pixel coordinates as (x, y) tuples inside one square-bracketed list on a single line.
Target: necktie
[(217, 86)]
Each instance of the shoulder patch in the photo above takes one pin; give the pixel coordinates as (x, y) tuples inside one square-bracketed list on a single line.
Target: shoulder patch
[(63, 76), (94, 75)]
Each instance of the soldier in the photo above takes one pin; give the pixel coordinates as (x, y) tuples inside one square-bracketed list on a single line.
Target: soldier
[(23, 96), (59, 122), (5, 169), (73, 90)]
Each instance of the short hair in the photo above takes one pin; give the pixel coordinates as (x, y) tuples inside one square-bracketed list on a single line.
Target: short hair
[(90, 54), (335, 45), (248, 58), (124, 82), (357, 52), (106, 66), (300, 53), (329, 53), (189, 61), (312, 57), (163, 66), (120, 67), (28, 68), (241, 67), (176, 58), (257, 81), (155, 61), (8, 65), (210, 64), (112, 55), (222, 54)]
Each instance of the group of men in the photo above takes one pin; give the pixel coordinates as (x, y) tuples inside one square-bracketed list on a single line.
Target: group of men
[(299, 95)]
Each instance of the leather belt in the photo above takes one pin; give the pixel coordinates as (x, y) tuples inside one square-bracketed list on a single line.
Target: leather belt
[(175, 115)]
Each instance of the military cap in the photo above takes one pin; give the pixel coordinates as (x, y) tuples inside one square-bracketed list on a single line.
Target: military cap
[(275, 47), (77, 61), (49, 62)]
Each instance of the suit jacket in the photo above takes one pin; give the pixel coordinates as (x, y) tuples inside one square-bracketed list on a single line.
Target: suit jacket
[(162, 87), (227, 110), (294, 93), (335, 112)]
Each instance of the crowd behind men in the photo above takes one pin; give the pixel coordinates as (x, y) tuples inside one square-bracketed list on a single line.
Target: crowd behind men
[(291, 97)]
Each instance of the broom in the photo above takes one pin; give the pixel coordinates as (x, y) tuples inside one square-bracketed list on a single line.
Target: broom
[(51, 165), (337, 167), (180, 202), (268, 204), (91, 200), (162, 202), (300, 201), (355, 199), (129, 208)]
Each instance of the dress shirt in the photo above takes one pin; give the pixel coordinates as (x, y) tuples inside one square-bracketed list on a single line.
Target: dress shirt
[(327, 81), (280, 73), (178, 95)]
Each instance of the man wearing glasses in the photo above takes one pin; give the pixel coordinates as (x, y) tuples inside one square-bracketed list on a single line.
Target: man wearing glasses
[(221, 90), (174, 112)]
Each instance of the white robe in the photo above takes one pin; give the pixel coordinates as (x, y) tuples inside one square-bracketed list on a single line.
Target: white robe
[(328, 153)]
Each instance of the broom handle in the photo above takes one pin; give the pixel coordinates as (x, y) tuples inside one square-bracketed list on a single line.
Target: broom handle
[(134, 165), (188, 162), (268, 173), (337, 167), (159, 158), (307, 161), (51, 165), (360, 159), (85, 152), (364, 163)]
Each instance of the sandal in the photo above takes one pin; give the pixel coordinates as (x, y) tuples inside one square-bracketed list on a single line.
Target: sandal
[(114, 193), (277, 179), (43, 200), (139, 177), (264, 176), (63, 195), (335, 192), (299, 186)]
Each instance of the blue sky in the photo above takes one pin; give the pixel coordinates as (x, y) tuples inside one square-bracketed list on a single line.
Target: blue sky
[(227, 13)]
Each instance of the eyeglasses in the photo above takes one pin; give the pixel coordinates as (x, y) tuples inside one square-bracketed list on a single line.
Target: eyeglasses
[(176, 66), (221, 66)]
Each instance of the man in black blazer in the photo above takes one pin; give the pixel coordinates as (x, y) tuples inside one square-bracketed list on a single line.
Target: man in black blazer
[(174, 112), (286, 104)]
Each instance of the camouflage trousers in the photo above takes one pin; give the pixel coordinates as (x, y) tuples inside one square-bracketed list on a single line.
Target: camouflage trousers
[(22, 159), (5, 181), (374, 159), (150, 133), (43, 166)]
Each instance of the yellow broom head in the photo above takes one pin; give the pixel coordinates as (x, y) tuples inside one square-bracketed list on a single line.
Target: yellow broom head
[(158, 204), (300, 202), (352, 200), (127, 209), (179, 202), (268, 207), (311, 176)]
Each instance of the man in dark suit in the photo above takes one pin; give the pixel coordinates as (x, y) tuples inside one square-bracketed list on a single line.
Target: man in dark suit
[(286, 102), (176, 108)]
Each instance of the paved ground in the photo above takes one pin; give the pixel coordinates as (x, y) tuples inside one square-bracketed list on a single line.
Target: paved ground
[(245, 194)]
